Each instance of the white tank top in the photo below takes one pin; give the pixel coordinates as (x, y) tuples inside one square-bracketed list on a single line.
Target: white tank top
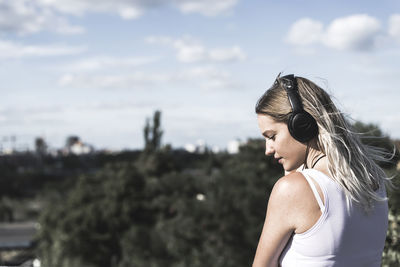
[(342, 236)]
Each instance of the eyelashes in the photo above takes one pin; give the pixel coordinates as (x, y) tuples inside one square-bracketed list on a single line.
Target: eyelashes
[(271, 137)]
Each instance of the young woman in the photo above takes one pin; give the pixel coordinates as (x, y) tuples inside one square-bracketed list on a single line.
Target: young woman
[(330, 209)]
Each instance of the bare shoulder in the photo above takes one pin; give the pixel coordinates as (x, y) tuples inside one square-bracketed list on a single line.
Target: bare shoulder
[(293, 199), (292, 186)]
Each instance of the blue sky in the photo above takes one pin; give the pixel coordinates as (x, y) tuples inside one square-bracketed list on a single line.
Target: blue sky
[(97, 69)]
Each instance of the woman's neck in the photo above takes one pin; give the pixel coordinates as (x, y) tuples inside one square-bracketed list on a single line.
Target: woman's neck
[(316, 159)]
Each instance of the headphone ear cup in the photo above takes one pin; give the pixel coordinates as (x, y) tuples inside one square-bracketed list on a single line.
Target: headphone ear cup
[(302, 126)]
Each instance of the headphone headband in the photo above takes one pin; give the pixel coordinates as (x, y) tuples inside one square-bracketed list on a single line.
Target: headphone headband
[(289, 82), (302, 126)]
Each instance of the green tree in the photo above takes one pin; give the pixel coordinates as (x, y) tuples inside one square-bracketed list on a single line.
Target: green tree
[(40, 146), (208, 214), (208, 211), (87, 227), (153, 133)]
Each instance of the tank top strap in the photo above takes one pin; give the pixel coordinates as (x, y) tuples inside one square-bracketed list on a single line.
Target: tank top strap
[(314, 189)]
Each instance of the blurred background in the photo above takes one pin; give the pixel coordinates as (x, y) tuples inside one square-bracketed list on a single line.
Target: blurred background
[(128, 135)]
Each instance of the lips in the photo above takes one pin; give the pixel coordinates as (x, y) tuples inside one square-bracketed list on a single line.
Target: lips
[(279, 160)]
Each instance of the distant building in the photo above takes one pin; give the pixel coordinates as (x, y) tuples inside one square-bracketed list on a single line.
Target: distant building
[(199, 147), (215, 149), (7, 151), (75, 146), (233, 146), (80, 148), (191, 148)]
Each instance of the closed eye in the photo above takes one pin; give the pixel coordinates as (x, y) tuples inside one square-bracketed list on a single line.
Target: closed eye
[(272, 137), (269, 134)]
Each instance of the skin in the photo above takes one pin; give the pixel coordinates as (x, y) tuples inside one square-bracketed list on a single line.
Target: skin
[(292, 207)]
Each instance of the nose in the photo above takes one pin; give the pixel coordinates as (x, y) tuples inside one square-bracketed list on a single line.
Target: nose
[(269, 149)]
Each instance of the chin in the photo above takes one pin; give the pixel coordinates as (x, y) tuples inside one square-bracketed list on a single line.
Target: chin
[(291, 168), (288, 169)]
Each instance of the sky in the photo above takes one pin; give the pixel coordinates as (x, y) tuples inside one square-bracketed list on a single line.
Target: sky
[(98, 69)]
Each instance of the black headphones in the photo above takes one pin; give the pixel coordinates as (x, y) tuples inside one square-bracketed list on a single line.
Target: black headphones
[(302, 126)]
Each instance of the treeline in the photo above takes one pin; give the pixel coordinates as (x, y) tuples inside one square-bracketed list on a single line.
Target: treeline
[(158, 211)]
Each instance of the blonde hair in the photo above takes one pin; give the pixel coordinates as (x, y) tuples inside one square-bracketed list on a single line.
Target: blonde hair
[(352, 164)]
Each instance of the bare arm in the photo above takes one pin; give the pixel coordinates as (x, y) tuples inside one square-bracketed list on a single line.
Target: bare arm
[(277, 228)]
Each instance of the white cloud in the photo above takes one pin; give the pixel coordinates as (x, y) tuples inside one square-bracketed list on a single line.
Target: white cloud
[(206, 7), (27, 17), (355, 32), (204, 77), (164, 40), (131, 9), (130, 12), (10, 49), (137, 80), (394, 26), (227, 54), (106, 62), (126, 9), (89, 72), (33, 16), (202, 72), (305, 31), (190, 50), (187, 49)]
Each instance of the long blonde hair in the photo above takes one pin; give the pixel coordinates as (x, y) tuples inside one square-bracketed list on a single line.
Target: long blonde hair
[(352, 164)]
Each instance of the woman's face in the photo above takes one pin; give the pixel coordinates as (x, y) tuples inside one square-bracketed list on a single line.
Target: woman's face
[(280, 144)]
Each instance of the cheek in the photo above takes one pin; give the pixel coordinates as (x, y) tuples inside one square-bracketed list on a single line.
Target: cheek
[(301, 156), (295, 157), (295, 149)]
